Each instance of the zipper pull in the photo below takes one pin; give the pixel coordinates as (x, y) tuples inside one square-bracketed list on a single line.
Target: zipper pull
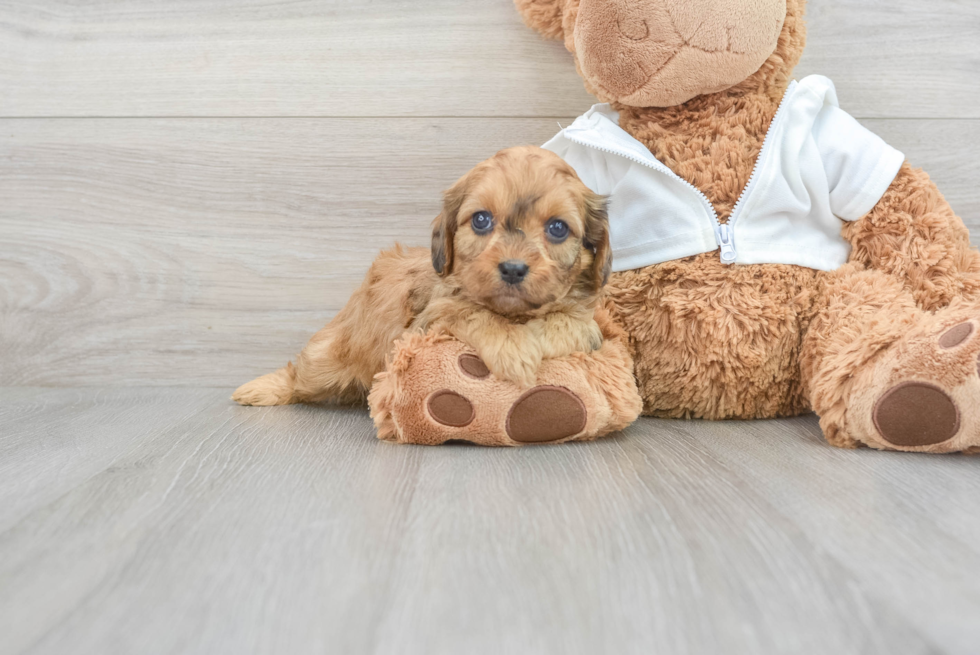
[(724, 235)]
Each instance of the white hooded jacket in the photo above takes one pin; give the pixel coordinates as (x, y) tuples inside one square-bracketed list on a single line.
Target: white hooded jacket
[(817, 166)]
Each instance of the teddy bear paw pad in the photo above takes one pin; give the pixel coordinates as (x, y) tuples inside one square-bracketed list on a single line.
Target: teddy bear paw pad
[(916, 414), (956, 335), (545, 414), (450, 408), (473, 366)]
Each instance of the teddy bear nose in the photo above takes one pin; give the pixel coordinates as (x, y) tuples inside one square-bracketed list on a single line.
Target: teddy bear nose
[(621, 44), (513, 271)]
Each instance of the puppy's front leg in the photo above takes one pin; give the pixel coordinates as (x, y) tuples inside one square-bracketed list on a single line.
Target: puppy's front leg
[(560, 334), (508, 349), (512, 355)]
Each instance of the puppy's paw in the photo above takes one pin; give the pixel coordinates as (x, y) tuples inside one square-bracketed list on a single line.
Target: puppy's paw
[(521, 368), (559, 335), (271, 389), (593, 336)]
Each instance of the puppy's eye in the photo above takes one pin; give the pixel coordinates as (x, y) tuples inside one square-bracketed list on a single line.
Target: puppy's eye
[(557, 230), (482, 222)]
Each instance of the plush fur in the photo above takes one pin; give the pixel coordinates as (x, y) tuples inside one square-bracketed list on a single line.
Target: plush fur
[(426, 364), (717, 341), (460, 287), (652, 53)]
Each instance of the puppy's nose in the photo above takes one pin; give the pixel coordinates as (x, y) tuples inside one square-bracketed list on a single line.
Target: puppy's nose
[(513, 271)]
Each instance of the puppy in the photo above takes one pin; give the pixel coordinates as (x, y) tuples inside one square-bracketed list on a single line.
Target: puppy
[(519, 255)]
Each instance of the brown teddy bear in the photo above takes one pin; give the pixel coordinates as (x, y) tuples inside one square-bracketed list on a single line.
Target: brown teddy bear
[(771, 256)]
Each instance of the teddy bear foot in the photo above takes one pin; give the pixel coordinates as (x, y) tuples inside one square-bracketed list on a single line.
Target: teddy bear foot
[(436, 390), (542, 414), (924, 394)]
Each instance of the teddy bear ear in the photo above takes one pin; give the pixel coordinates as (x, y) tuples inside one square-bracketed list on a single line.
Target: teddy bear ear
[(544, 16)]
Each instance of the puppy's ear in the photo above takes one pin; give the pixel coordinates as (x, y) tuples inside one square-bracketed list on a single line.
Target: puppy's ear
[(444, 227), (597, 237)]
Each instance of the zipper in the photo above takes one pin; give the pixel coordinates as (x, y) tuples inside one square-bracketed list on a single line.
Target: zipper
[(656, 165), (759, 161), (724, 233)]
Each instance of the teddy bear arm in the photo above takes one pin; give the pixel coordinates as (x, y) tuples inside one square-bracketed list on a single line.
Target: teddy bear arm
[(913, 234)]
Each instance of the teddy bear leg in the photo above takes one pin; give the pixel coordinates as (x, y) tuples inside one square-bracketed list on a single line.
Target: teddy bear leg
[(436, 389), (882, 372)]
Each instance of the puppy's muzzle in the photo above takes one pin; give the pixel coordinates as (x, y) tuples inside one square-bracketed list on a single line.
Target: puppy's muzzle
[(513, 271)]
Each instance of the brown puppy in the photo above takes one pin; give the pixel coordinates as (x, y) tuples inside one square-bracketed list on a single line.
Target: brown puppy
[(519, 255)]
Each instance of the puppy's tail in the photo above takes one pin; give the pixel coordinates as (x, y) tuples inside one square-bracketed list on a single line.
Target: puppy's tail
[(278, 388)]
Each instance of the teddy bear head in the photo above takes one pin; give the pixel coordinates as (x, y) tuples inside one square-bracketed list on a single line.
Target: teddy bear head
[(662, 53)]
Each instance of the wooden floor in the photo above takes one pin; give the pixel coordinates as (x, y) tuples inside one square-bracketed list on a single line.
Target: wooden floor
[(189, 189), (172, 521)]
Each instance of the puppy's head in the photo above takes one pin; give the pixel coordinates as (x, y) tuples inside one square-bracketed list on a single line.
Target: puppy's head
[(521, 231)]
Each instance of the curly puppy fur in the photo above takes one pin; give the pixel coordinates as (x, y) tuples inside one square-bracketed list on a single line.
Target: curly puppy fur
[(461, 286), (717, 341)]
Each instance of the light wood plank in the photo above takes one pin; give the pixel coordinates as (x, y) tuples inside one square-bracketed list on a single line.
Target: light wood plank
[(204, 252), (399, 58), (294, 530), (899, 58), (273, 58), (895, 522), (46, 450)]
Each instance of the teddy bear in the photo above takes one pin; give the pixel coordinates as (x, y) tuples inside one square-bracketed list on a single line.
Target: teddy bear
[(771, 256)]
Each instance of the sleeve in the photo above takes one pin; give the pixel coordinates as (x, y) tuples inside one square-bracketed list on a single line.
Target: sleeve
[(859, 165)]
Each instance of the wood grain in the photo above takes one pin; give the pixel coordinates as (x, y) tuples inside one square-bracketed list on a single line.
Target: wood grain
[(231, 530), (899, 58), (902, 58), (206, 251), (882, 515), (274, 58)]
